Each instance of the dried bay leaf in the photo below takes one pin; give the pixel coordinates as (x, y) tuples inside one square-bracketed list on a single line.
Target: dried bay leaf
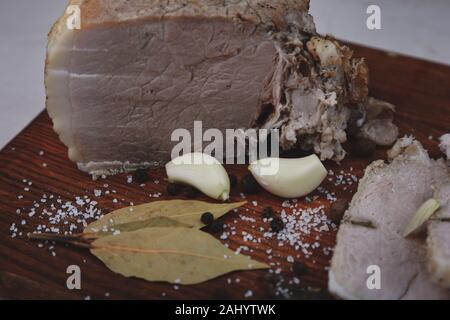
[(175, 255), (177, 213), (154, 222)]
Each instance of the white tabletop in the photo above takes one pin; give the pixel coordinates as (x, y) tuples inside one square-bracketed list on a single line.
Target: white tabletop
[(414, 27)]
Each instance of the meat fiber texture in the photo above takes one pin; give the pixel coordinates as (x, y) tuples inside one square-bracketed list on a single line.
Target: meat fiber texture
[(388, 196), (138, 69)]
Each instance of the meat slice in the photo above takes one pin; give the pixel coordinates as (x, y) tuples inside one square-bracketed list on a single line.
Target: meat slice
[(438, 239), (445, 145), (139, 69), (372, 231)]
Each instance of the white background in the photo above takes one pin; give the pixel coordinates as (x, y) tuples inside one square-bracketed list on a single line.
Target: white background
[(415, 27)]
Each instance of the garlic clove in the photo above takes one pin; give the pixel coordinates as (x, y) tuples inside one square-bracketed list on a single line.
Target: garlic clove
[(289, 178), (202, 172), (422, 215)]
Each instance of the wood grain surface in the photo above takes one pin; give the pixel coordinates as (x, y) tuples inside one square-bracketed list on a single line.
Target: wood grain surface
[(420, 90)]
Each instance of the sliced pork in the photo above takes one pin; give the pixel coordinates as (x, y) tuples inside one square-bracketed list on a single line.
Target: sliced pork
[(438, 239), (372, 231)]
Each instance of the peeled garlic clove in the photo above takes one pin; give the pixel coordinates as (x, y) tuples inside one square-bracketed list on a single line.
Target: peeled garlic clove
[(425, 211), (289, 178), (202, 172)]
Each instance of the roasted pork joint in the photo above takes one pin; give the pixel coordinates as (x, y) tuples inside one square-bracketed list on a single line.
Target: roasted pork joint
[(373, 231), (138, 69)]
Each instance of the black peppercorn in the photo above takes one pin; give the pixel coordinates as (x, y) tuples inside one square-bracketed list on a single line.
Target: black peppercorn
[(173, 189), (233, 180), (353, 125), (299, 268), (249, 184), (191, 192), (207, 218), (363, 147), (337, 211), (277, 225), (141, 175), (268, 212), (352, 129), (216, 227)]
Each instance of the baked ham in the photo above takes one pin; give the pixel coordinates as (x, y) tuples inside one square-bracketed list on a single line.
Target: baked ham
[(138, 69), (372, 232)]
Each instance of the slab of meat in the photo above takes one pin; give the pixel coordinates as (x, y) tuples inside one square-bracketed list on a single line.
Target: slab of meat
[(138, 69), (372, 232), (438, 239)]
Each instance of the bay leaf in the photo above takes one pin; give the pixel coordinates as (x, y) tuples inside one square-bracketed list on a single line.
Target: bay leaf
[(175, 255), (136, 225), (184, 212)]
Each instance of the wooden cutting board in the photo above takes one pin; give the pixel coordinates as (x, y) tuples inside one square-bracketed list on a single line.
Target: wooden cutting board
[(420, 90)]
